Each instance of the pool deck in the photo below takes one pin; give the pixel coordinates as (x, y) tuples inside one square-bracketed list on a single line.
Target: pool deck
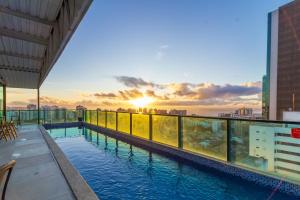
[(36, 174)]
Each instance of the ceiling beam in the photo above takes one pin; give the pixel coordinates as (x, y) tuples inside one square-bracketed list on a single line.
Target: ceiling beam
[(23, 36), (25, 16), (19, 69), (3, 53)]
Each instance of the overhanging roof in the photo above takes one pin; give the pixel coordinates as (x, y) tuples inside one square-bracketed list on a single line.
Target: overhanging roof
[(32, 36)]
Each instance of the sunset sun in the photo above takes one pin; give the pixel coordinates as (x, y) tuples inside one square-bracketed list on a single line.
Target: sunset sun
[(141, 102)]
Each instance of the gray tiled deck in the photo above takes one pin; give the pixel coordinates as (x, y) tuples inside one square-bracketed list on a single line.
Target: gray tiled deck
[(36, 174)]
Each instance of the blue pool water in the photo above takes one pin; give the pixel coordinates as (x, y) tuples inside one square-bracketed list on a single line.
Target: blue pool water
[(117, 170)]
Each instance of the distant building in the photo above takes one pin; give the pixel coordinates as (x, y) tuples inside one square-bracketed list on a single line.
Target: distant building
[(228, 115), (79, 107), (244, 111), (145, 110), (121, 110), (281, 88), (31, 107), (131, 110), (178, 112), (46, 107), (162, 112), (15, 108)]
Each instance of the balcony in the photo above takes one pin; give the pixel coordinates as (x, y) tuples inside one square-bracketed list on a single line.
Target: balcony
[(168, 155)]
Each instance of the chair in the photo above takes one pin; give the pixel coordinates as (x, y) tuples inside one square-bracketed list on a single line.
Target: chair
[(12, 129), (5, 172), (4, 133), (8, 130)]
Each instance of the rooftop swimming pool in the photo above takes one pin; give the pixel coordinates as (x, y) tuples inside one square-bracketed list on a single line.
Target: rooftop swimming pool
[(117, 170)]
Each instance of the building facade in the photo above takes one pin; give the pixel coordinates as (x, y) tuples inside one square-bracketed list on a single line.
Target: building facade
[(281, 89)]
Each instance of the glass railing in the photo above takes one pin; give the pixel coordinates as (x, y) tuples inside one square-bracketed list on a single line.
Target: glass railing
[(22, 117), (269, 147)]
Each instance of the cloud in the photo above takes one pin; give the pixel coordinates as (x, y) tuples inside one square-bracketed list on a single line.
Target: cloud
[(208, 91), (45, 100), (130, 94), (134, 82), (105, 95), (188, 93), (151, 93), (191, 95), (18, 103), (160, 54), (183, 89)]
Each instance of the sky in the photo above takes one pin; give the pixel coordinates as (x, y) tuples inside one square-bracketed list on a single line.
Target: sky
[(206, 56)]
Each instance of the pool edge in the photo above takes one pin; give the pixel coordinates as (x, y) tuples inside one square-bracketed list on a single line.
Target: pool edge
[(76, 182)]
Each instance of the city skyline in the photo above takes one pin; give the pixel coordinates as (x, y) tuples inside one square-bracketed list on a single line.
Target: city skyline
[(175, 71)]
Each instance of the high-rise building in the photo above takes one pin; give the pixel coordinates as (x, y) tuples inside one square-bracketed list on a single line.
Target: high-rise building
[(244, 111), (281, 88)]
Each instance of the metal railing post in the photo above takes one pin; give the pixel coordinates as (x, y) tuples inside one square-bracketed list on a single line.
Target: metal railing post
[(105, 119), (38, 101), (228, 127), (19, 119), (180, 141), (83, 112), (65, 115), (97, 119), (90, 117), (130, 130), (150, 127), (116, 121), (4, 114)]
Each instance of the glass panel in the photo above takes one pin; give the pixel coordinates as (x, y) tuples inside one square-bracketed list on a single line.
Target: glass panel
[(42, 117), (87, 116), (205, 136), (267, 147), (124, 122), (165, 129), (28, 116), (94, 117), (80, 114), (58, 116), (101, 118), (12, 115), (111, 120), (47, 116), (71, 116), (140, 125)]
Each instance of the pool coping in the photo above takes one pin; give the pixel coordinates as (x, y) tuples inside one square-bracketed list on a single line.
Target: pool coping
[(76, 182)]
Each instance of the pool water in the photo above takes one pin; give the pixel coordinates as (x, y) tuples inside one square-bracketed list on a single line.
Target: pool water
[(117, 170)]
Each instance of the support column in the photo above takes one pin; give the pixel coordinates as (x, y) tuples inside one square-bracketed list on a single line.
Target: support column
[(4, 102), (38, 104)]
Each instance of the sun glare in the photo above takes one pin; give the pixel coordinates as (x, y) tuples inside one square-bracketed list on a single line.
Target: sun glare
[(141, 102)]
